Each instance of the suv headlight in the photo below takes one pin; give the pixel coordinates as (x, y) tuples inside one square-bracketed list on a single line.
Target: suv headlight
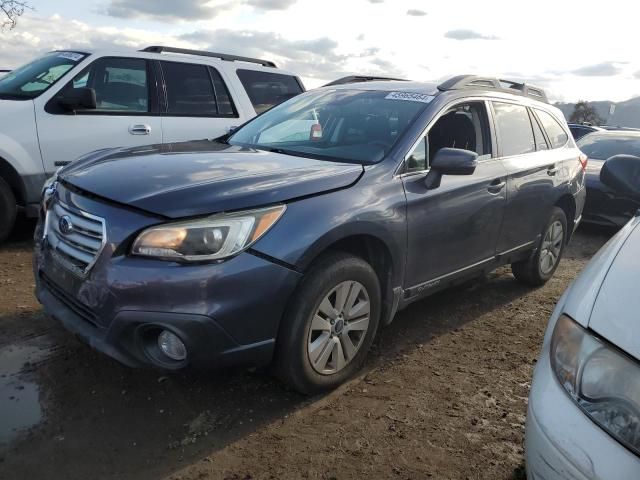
[(604, 382), (212, 238)]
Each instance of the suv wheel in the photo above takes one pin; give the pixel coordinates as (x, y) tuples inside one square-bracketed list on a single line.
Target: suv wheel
[(541, 266), (8, 210), (330, 324)]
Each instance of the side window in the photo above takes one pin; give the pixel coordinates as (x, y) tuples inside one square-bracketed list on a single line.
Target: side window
[(555, 132), (225, 104), (514, 129), (541, 143), (189, 89), (417, 160), (464, 126), (121, 84), (266, 89)]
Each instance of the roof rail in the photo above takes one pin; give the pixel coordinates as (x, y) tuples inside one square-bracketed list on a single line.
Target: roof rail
[(489, 83), (361, 78), (203, 53)]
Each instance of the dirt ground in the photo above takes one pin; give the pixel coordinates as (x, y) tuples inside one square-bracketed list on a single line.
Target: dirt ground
[(443, 396)]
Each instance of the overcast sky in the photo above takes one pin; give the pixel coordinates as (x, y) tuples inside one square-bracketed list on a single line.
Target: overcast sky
[(575, 49)]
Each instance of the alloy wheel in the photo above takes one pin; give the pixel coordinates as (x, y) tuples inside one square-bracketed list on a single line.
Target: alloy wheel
[(551, 247), (339, 327)]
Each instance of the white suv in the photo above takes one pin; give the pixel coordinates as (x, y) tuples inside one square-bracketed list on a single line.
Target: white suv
[(69, 103)]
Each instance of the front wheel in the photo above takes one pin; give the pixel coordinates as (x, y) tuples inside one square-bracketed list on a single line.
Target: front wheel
[(330, 324), (541, 266)]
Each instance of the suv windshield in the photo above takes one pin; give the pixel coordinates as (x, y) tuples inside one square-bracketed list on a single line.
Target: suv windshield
[(32, 79), (351, 125), (601, 147)]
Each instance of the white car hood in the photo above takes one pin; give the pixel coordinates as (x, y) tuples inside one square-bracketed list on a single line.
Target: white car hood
[(606, 295), (616, 312)]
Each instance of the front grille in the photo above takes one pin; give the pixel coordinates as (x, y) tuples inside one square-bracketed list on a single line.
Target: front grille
[(76, 236), (74, 305)]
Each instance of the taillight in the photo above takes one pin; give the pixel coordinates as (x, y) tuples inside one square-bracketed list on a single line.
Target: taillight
[(583, 160)]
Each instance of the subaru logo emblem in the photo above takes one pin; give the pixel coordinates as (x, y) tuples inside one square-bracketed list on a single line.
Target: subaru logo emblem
[(65, 226)]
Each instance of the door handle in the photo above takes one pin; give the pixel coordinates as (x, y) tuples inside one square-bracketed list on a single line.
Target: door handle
[(139, 129), (551, 171), (496, 186)]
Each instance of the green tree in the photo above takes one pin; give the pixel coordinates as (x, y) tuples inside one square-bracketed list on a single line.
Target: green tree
[(583, 112), (10, 10)]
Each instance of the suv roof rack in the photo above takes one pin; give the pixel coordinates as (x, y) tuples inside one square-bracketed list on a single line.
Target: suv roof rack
[(361, 78), (495, 84), (203, 53)]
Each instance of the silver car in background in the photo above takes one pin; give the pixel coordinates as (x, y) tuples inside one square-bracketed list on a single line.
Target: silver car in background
[(583, 419)]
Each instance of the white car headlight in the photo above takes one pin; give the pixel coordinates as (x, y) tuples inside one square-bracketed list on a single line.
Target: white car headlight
[(212, 238), (604, 382)]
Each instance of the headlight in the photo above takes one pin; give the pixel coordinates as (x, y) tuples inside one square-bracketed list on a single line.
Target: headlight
[(605, 383), (211, 238)]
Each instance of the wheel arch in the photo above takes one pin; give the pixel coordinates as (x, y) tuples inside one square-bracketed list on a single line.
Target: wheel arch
[(568, 204), (10, 175), (377, 252)]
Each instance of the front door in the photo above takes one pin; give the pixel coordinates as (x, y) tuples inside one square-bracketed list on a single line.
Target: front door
[(454, 227), (124, 116)]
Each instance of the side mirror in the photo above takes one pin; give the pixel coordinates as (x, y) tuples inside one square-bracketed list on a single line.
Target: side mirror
[(622, 174), (451, 161), (78, 99)]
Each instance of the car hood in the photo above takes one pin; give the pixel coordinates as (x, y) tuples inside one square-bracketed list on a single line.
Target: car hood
[(616, 312), (605, 295), (198, 178)]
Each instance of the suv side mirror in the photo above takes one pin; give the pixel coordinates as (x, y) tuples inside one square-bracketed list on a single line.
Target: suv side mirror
[(451, 161), (78, 99), (622, 174)]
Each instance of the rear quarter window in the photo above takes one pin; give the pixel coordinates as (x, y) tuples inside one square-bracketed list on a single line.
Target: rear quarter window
[(266, 89), (557, 135)]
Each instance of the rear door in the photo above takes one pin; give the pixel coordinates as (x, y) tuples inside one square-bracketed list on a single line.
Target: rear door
[(455, 227), (532, 168), (195, 102), (126, 114)]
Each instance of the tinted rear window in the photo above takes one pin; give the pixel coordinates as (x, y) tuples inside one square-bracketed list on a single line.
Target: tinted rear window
[(189, 89), (266, 89), (555, 132), (514, 129), (602, 147)]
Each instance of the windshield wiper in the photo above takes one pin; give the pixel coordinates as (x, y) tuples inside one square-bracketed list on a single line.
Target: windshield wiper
[(14, 96)]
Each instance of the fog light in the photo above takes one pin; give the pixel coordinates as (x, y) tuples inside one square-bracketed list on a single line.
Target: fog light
[(171, 345)]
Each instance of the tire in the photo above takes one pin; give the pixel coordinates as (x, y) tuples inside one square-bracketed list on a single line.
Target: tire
[(315, 329), (8, 210), (541, 266)]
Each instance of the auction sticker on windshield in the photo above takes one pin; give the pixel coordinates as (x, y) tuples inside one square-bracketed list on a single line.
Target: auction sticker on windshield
[(409, 96)]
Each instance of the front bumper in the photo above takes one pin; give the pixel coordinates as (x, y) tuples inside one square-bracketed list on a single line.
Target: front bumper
[(226, 313), (562, 443)]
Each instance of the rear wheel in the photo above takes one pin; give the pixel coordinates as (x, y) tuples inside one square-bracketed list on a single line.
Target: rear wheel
[(541, 266), (8, 210), (330, 324)]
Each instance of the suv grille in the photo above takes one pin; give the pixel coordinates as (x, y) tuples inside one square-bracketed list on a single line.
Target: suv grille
[(76, 236)]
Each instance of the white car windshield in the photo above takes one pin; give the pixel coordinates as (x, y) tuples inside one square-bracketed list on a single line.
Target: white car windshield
[(32, 79), (350, 125)]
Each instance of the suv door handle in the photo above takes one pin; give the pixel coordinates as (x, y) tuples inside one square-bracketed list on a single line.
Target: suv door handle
[(551, 171), (496, 186), (139, 129)]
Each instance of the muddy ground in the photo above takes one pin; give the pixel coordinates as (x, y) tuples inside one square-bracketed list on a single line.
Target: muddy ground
[(443, 396)]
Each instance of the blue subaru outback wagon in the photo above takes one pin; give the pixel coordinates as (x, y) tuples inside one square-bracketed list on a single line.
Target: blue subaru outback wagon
[(293, 240)]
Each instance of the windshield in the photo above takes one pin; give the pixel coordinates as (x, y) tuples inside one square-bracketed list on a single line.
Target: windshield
[(32, 79), (602, 147), (357, 126)]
